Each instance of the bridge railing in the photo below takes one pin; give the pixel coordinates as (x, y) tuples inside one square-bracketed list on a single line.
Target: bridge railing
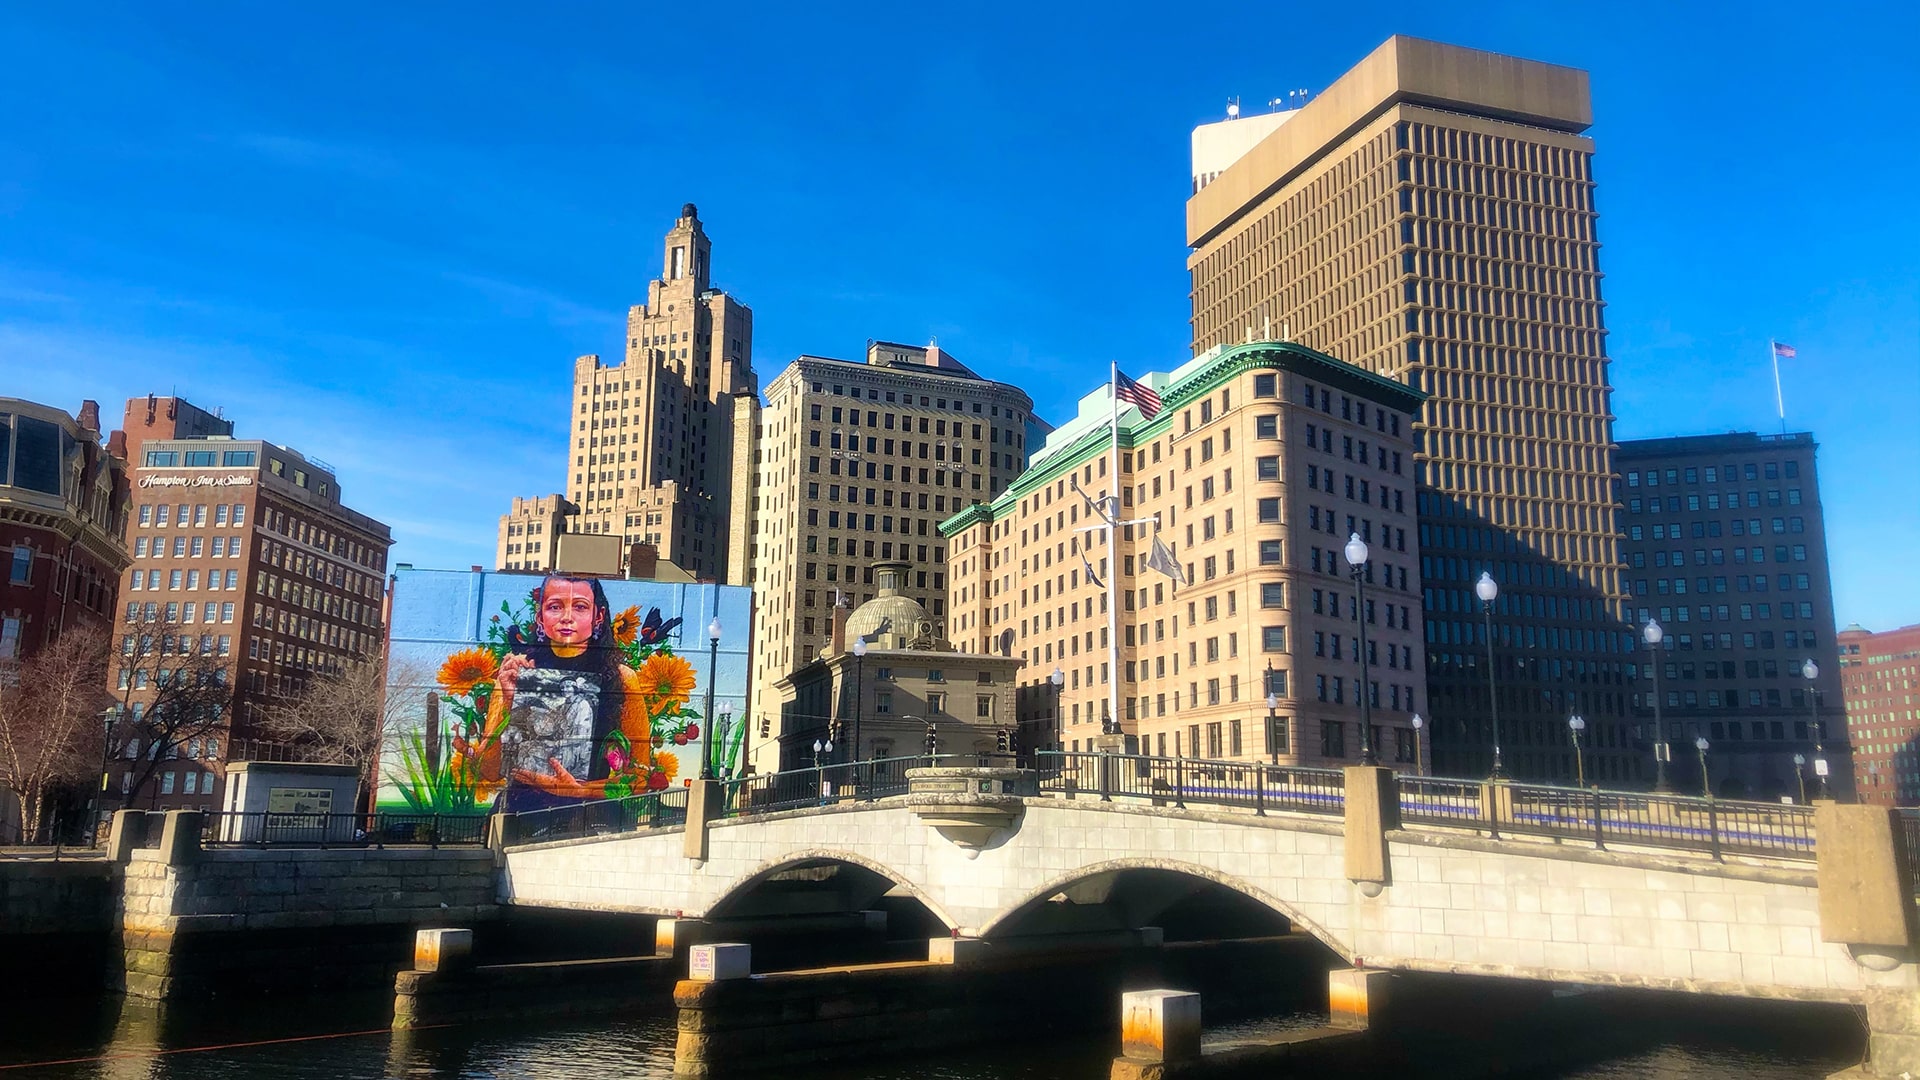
[(846, 781), (234, 828), (1181, 781), (1908, 840), (602, 817)]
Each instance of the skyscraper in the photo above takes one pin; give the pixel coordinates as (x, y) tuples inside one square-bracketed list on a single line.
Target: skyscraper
[(1880, 674), (1725, 545), (862, 461), (1429, 217), (661, 447)]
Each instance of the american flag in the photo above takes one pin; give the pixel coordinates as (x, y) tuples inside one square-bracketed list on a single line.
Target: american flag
[(1782, 351), (1140, 397)]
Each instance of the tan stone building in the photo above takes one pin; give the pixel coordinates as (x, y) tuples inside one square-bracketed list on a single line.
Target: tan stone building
[(662, 443), (530, 532), (1430, 218), (859, 463), (890, 684), (1264, 460), (243, 552)]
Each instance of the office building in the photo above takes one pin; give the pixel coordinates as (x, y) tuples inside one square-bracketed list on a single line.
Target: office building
[(860, 462), (1263, 461), (530, 531), (64, 502), (661, 447), (1880, 679), (1723, 543), (244, 558), (1429, 218)]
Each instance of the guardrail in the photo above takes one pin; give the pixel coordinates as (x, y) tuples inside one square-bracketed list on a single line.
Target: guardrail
[(847, 781), (1908, 841), (233, 828), (1715, 826), (1178, 781), (603, 817)]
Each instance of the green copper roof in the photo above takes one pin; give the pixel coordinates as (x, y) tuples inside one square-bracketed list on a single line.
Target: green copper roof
[(1089, 434)]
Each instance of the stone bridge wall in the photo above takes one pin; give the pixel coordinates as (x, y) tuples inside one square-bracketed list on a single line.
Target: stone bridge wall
[(1452, 902)]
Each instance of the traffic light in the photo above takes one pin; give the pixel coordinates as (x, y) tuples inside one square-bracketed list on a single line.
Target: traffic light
[(1000, 738), (766, 727), (933, 741)]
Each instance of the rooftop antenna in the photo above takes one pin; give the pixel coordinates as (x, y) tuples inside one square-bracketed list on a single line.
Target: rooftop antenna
[(1233, 108)]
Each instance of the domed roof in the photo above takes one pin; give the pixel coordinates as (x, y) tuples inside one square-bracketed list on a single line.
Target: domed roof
[(891, 620)]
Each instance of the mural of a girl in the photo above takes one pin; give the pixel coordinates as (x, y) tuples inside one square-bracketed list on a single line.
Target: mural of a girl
[(568, 710)]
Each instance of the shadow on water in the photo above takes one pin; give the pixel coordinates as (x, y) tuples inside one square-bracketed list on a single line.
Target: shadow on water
[(1660, 1036)]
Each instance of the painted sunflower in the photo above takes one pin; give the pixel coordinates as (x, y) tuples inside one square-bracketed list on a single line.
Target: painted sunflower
[(666, 680), (667, 762), (626, 626), (466, 669)]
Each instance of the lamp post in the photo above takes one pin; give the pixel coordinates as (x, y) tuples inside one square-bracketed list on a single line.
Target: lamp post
[(859, 670), (1706, 787), (1662, 753), (1575, 725), (1273, 721), (1811, 671), (1059, 680), (1488, 591), (1356, 553), (1419, 768), (821, 748), (713, 667), (1800, 774)]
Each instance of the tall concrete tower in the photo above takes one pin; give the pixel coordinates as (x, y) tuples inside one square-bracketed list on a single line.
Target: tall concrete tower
[(1430, 217)]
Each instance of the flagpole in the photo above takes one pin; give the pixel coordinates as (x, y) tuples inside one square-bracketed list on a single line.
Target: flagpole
[(1779, 400), (1113, 565)]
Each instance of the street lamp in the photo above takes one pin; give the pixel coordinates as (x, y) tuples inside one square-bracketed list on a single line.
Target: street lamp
[(1799, 773), (1662, 753), (1419, 769), (1273, 721), (1575, 725), (1700, 744), (713, 669), (821, 748), (1356, 553), (859, 670), (1488, 590), (1811, 671), (1059, 680)]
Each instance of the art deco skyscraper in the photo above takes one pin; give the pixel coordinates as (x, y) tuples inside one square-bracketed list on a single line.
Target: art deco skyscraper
[(1430, 218), (661, 447)]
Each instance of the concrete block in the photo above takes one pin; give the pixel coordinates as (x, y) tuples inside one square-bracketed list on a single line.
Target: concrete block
[(959, 951), (718, 963), (1160, 1025), (1354, 995), (1862, 876), (442, 950)]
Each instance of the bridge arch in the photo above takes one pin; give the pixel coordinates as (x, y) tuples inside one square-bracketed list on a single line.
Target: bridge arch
[(732, 896), (1066, 881)]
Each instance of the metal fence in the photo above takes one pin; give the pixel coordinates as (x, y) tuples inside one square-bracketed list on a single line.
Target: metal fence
[(232, 828), (1180, 781), (1909, 843), (849, 781), (604, 817)]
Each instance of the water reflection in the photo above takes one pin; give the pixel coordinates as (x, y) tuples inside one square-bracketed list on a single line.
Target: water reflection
[(345, 1037)]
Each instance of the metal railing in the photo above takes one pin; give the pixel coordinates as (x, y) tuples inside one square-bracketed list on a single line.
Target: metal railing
[(1181, 781), (848, 781), (602, 817), (1436, 800), (1909, 843), (233, 828)]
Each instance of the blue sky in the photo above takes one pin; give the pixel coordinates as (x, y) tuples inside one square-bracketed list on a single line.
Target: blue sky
[(382, 234)]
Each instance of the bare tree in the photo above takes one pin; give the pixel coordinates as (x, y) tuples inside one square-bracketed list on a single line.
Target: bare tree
[(173, 689), (50, 719), (344, 716)]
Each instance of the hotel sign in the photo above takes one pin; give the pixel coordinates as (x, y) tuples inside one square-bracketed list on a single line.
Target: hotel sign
[(234, 480)]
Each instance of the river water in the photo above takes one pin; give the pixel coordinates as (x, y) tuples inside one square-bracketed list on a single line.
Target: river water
[(345, 1039)]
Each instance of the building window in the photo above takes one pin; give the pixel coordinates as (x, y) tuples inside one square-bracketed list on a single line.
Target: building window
[(1269, 552), (21, 572), (1264, 386), (883, 702), (1333, 739), (1273, 639), (937, 703), (1266, 427), (1269, 511), (983, 706)]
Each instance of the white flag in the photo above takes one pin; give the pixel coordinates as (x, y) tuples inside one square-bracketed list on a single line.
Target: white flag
[(1162, 559)]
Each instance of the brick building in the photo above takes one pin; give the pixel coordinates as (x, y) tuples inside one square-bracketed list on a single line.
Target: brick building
[(64, 505), (245, 560), (1880, 679)]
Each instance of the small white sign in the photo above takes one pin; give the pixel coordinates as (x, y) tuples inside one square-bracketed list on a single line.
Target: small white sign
[(1819, 766)]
